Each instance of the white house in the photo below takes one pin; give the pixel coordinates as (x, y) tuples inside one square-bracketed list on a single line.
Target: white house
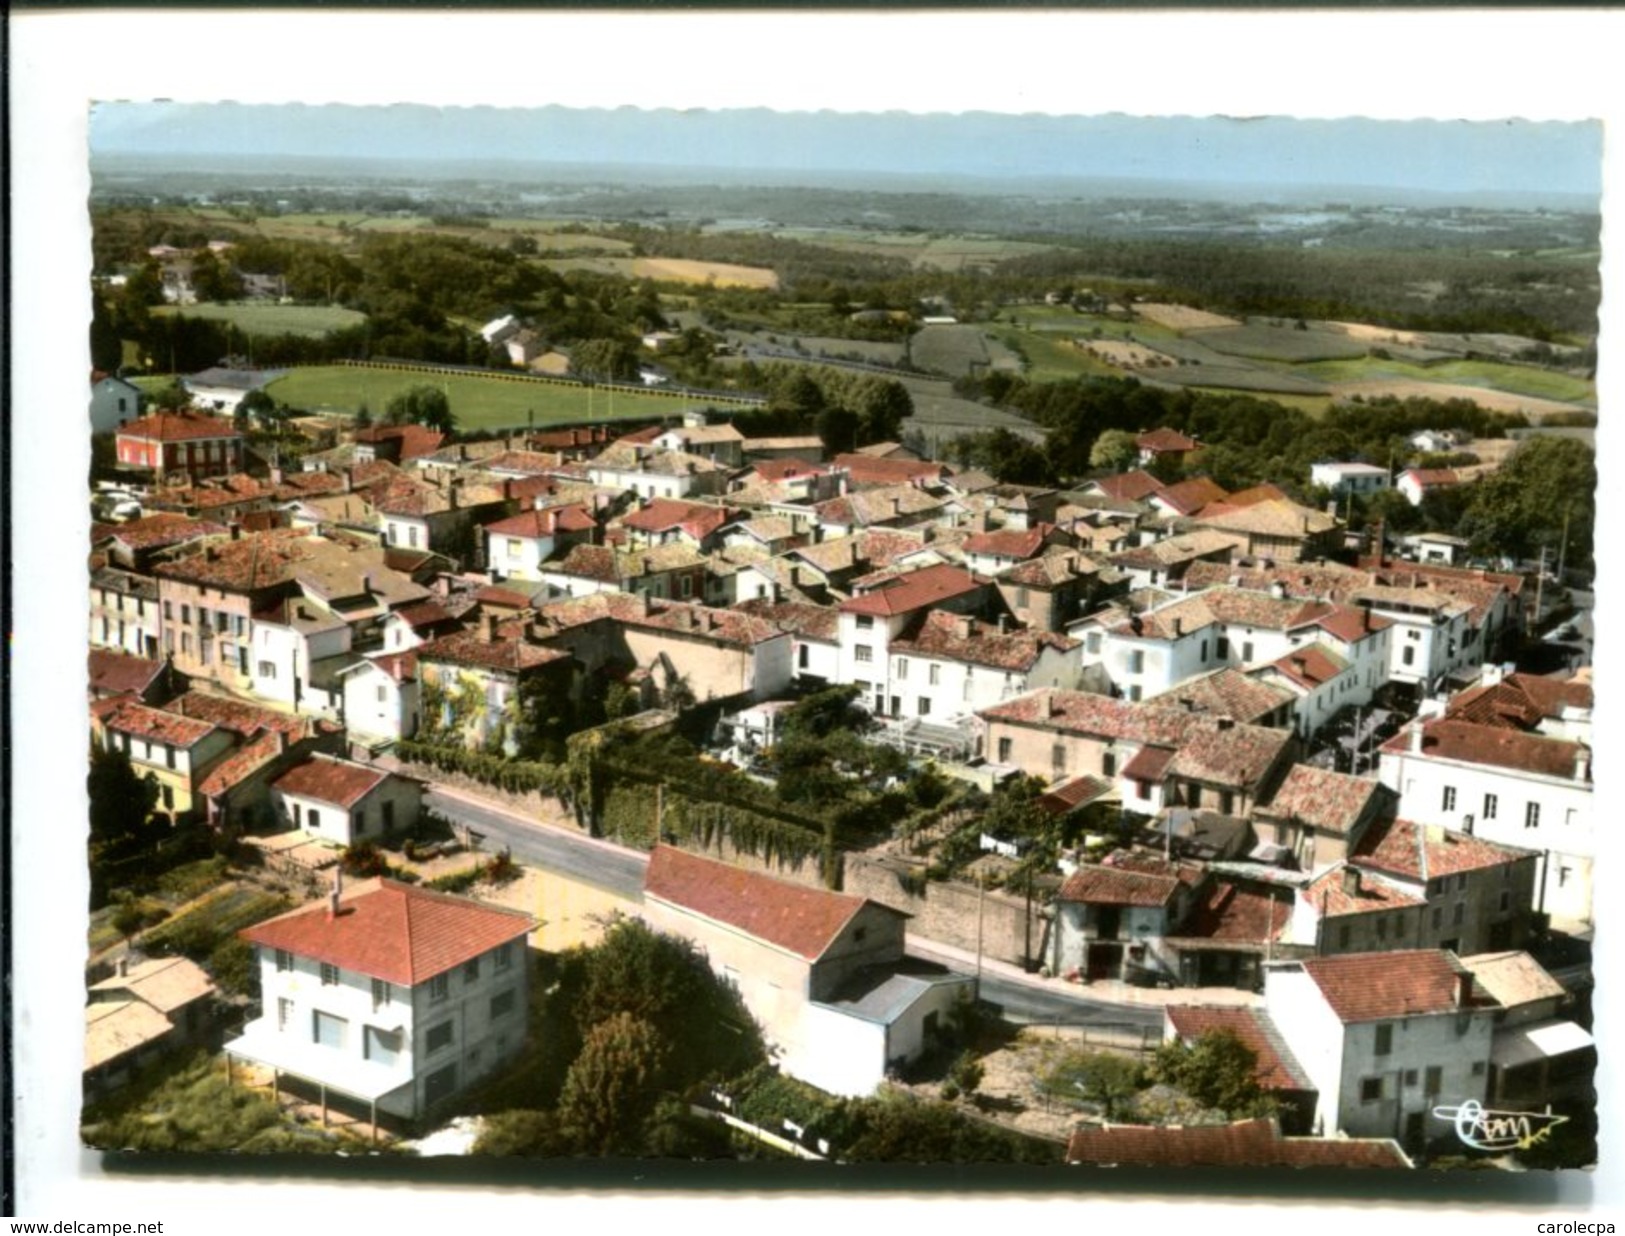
[(297, 646), (124, 612), (516, 547), (113, 402), (344, 802), (1349, 478), (1384, 1038), (389, 994), (945, 665), (1417, 483), (381, 698), (654, 473), (823, 972), (1506, 786), (814, 636), (869, 622)]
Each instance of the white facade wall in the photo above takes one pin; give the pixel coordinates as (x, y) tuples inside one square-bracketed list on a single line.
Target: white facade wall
[(405, 530), (280, 664), (939, 688), (517, 557), (398, 635), (837, 1052), (816, 659), (376, 706), (864, 656), (1313, 1034), (363, 821), (1140, 668), (1456, 1044), (1560, 825), (124, 623), (645, 484), (1349, 479)]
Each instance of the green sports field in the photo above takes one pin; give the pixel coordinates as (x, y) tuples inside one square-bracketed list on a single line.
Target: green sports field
[(478, 402), (255, 318)]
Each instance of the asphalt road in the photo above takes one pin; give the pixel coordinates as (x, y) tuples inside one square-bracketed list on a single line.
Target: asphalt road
[(621, 872)]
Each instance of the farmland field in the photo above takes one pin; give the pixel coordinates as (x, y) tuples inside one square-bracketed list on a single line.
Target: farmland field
[(1483, 396), (953, 350), (1238, 378), (256, 318), (1518, 380), (671, 270), (1181, 317), (923, 251), (477, 402), (1282, 343), (1050, 359), (869, 351)]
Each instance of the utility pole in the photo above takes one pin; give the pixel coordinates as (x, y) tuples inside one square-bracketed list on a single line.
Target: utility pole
[(981, 894)]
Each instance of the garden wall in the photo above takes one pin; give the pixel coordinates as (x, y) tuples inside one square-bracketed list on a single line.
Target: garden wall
[(948, 911)]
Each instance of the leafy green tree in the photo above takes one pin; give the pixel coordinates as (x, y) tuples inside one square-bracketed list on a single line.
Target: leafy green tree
[(1114, 450), (171, 397), (882, 409), (421, 405), (1101, 1077), (838, 429), (897, 1128), (1218, 1071), (823, 712), (1522, 507), (122, 825), (613, 1086), (523, 1132), (604, 360), (1006, 456), (106, 346), (235, 968), (801, 397), (256, 406)]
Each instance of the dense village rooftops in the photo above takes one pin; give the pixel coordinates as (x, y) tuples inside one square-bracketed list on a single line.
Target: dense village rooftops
[(864, 469), (331, 780), (875, 506), (627, 456), (811, 622), (416, 441), (1128, 880), (794, 442), (1377, 986), (1512, 978), (768, 529), (703, 435), (1521, 701), (401, 666), (1190, 496), (1310, 665), (786, 469), (242, 763), (239, 716), (956, 637), (1016, 543), (1422, 852), (118, 673), (258, 560), (1135, 486), (794, 917), (1273, 518), (1225, 693), (478, 649), (154, 725), (179, 427), (521, 463), (1346, 889), (549, 521), (699, 520), (913, 590), (417, 499), (1238, 756), (1276, 1068), (422, 615), (163, 529), (737, 627), (1497, 747), (609, 565), (1173, 550), (1233, 916), (1083, 712), (165, 983), (1251, 1143), (1327, 801), (392, 931), (1049, 570)]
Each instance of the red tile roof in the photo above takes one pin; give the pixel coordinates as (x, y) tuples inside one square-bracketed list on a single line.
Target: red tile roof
[(505, 652), (1236, 915), (416, 440), (391, 931), (815, 622), (1132, 486), (697, 519), (1161, 440), (128, 716), (1344, 890), (1191, 495), (259, 560), (1329, 801), (1148, 765), (1520, 701), (1123, 881), (1226, 693), (804, 921), (331, 781), (549, 521), (1310, 665), (237, 715), (1376, 986), (154, 531), (1017, 543), (1252, 1143), (1416, 851), (1428, 477), (115, 673), (1071, 794), (240, 764), (1276, 1069), (1496, 747), (421, 614), (178, 427), (913, 590), (955, 637), (1239, 756), (867, 470)]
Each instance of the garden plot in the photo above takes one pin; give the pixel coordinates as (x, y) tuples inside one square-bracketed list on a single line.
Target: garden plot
[(1123, 354), (953, 350), (1270, 342), (1181, 317), (1239, 378)]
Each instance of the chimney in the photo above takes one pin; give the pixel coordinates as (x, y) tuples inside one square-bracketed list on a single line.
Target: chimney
[(335, 894), (236, 531), (967, 625), (488, 627), (1278, 590), (1416, 738), (454, 493), (795, 577), (1224, 724), (282, 742), (1582, 763), (896, 505), (1053, 705), (648, 605), (1003, 619), (1464, 989), (348, 473), (276, 475), (1179, 627), (1351, 881), (124, 966)]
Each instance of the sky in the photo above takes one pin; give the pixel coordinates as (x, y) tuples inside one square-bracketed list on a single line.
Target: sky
[(1435, 156)]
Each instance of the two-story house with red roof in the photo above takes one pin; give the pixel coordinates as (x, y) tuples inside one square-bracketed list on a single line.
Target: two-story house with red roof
[(343, 802), (880, 612), (172, 445), (823, 972), (388, 995)]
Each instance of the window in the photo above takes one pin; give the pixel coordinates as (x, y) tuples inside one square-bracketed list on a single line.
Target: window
[(1506, 901), (1382, 928), (439, 1037), (1410, 655), (1136, 662), (284, 961), (330, 975), (1410, 1077), (1092, 642), (186, 643), (381, 1046), (242, 659), (380, 994), (1491, 802), (502, 1003), (186, 615), (1370, 1089), (412, 536), (1134, 694), (169, 611), (169, 756), (934, 674), (1004, 750), (1108, 764), (1433, 1081), (471, 971), (1343, 936), (1449, 798), (514, 547), (1531, 815), (1478, 1068), (328, 1030), (440, 1085), (1385, 1040), (1247, 651), (1057, 758), (863, 654), (1459, 915), (1221, 648), (504, 956), (284, 1012), (1204, 652), (865, 622), (267, 669), (1461, 882), (924, 708), (439, 988), (902, 667)]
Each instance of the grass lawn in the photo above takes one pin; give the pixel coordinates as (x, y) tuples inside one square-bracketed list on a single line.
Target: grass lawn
[(477, 402), (1050, 360), (254, 318), (1492, 375)]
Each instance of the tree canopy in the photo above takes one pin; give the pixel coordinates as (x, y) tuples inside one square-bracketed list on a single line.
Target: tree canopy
[(421, 405), (1218, 1070)]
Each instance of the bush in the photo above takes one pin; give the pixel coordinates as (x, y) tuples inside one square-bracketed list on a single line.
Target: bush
[(232, 964)]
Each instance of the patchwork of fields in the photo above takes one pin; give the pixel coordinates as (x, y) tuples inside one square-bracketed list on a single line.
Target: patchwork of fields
[(264, 318), (672, 270)]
